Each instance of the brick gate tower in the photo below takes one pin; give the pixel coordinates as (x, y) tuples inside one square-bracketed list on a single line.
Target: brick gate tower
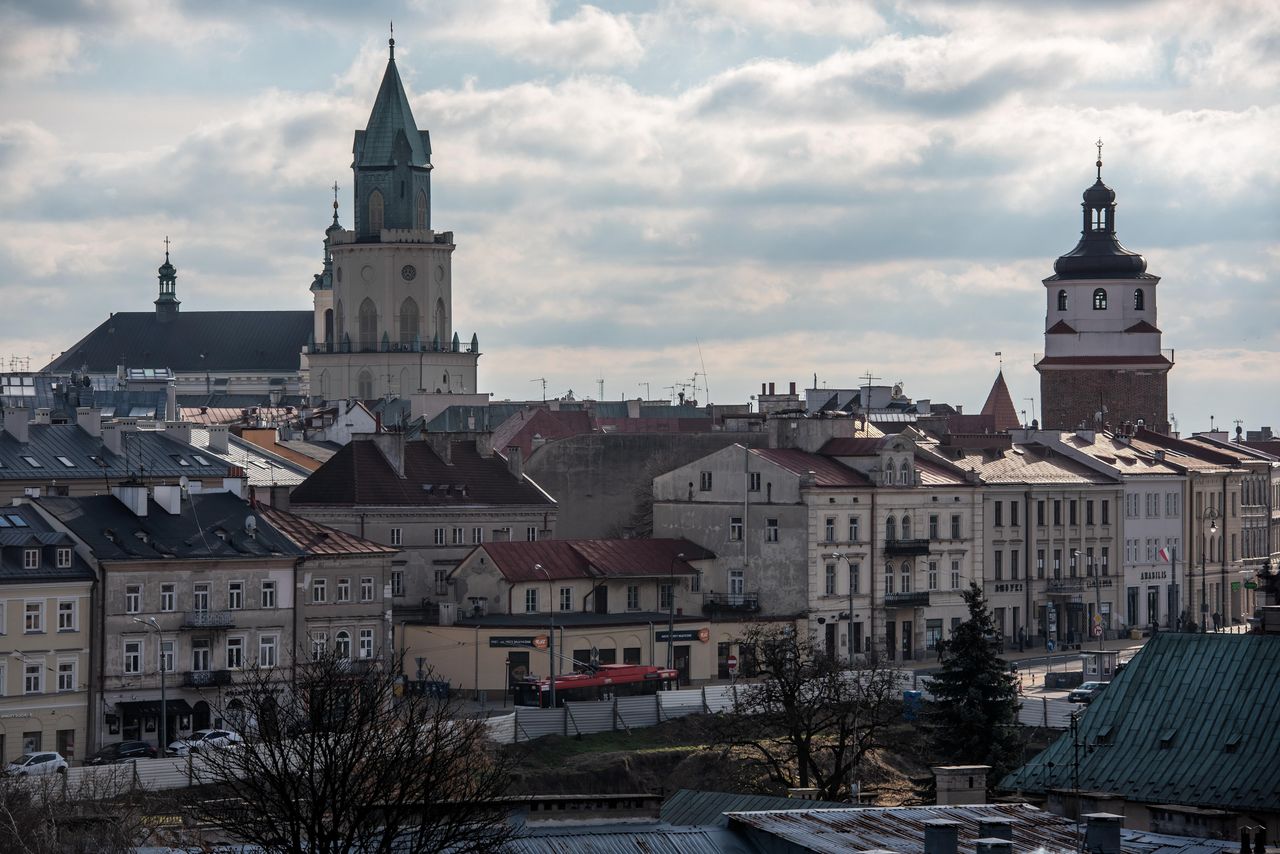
[(1102, 362)]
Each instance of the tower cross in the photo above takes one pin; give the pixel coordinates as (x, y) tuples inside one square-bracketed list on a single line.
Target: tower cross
[(1099, 145), (166, 247)]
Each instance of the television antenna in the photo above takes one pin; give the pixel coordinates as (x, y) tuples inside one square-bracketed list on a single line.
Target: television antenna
[(542, 380)]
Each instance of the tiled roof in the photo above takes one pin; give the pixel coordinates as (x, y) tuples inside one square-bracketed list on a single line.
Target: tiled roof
[(23, 528), (321, 452), (1203, 451), (193, 342), (1191, 720), (1266, 446), (826, 471), (594, 558), (1028, 464), (233, 414), (320, 540), (360, 475), (844, 447), (936, 474), (150, 453), (211, 525), (999, 406), (521, 427)]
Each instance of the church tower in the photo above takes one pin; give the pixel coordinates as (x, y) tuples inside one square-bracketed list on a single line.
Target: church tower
[(167, 301), (384, 301), (1102, 362)]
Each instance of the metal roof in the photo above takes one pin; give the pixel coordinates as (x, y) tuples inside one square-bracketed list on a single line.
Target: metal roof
[(320, 540), (693, 807), (21, 528), (261, 467), (1163, 730), (66, 452), (628, 838)]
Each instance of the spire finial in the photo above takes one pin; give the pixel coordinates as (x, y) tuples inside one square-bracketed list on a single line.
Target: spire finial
[(391, 42), (1099, 163), (166, 249), (335, 202)]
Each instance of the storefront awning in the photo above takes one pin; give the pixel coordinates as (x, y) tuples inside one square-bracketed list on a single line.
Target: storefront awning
[(152, 707)]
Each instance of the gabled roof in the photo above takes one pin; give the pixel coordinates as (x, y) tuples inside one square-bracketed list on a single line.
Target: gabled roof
[(1142, 326), (21, 528), (389, 119), (1061, 328), (1166, 724), (150, 454), (318, 540), (562, 559), (359, 475), (826, 471), (1030, 464), (520, 428), (193, 342), (1000, 406)]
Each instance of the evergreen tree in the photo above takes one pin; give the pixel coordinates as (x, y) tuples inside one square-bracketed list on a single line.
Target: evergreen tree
[(975, 710)]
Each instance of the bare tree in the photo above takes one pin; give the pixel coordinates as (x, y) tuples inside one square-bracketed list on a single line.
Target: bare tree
[(345, 759), (101, 813), (807, 722)]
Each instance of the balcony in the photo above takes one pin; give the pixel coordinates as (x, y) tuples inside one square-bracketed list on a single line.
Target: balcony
[(918, 599), (208, 620), (905, 548), (206, 678), (741, 603)]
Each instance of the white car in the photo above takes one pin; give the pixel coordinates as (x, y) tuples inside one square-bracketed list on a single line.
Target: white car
[(32, 764), (205, 739)]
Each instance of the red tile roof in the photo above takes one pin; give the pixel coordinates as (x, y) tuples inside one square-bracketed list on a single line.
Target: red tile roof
[(827, 472), (565, 559), (850, 447), (320, 540), (521, 427), (360, 475), (1000, 406)]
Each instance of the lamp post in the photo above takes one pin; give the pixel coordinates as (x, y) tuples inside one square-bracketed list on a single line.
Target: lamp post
[(551, 636), (151, 623), (1210, 518), (671, 613), (849, 566)]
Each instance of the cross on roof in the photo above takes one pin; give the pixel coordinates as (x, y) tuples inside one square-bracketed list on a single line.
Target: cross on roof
[(1099, 145), (166, 247)]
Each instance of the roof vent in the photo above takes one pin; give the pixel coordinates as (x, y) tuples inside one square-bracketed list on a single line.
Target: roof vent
[(1166, 738), (1232, 743)]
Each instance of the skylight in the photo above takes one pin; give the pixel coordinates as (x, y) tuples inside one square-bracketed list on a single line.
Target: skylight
[(200, 460), (4, 523), (66, 462), (17, 521), (34, 463)]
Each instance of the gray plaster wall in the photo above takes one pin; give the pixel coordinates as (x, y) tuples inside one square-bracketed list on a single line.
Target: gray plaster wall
[(600, 480)]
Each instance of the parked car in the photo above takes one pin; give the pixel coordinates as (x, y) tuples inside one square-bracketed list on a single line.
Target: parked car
[(33, 764), (1087, 692), (122, 751), (205, 739)]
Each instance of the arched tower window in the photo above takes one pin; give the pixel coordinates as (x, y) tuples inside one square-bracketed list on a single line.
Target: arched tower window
[(890, 529), (364, 386), (328, 326), (375, 212), (1099, 299), (441, 332), (906, 527), (339, 321), (904, 477), (1062, 300), (420, 211), (368, 326), (342, 645), (408, 320), (1139, 301)]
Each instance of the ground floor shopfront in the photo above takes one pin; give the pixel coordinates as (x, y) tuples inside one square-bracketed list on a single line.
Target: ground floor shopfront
[(41, 722), (136, 716)]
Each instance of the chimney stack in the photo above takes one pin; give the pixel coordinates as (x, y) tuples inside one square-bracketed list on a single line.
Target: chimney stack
[(392, 447), (992, 827), (1260, 833), (90, 420), (960, 785), (793, 389), (219, 441), (771, 388), (940, 836), (133, 496), (43, 415), (993, 846), (169, 498), (16, 423), (111, 437), (515, 461), (179, 430), (1102, 832), (764, 388)]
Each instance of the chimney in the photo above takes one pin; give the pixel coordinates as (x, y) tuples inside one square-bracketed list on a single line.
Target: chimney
[(960, 785), (992, 827), (515, 461), (133, 496), (42, 415), (219, 441), (234, 485), (1260, 832), (484, 445), (1102, 832), (771, 388), (807, 793), (1245, 846), (111, 433), (16, 423), (90, 420), (940, 836), (179, 430), (633, 408), (764, 389), (392, 447), (792, 391), (169, 498), (996, 845)]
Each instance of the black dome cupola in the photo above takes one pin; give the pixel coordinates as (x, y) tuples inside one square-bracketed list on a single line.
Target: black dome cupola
[(1099, 254)]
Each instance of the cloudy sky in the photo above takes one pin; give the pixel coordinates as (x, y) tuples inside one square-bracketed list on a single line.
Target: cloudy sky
[(763, 190)]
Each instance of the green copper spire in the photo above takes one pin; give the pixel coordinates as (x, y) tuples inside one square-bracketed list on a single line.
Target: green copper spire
[(167, 302)]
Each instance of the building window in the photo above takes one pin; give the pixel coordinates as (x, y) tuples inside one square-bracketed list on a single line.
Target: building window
[(442, 581), (132, 657), (906, 578), (770, 530), (955, 526), (397, 536), (831, 579), (477, 536), (200, 596), (438, 536), (1062, 300), (397, 582), (1106, 512), (998, 516), (566, 598), (168, 597), (268, 597), (133, 598), (64, 557), (366, 643), (33, 678), (906, 527), (1040, 513), (344, 590), (998, 565), (530, 600), (31, 559), (1099, 299), (829, 530), (933, 575), (955, 575), (754, 481), (855, 529), (1088, 512), (1106, 560), (267, 650), (1138, 301), (459, 536), (890, 530), (1039, 563), (33, 618), (1073, 517), (200, 655), (1057, 512), (1057, 563), (888, 578), (933, 526), (235, 595), (704, 481), (855, 578), (66, 676), (735, 529), (66, 615), (1013, 513), (420, 211), (633, 597), (342, 645), (375, 212), (366, 588), (235, 653), (167, 649), (319, 643), (666, 597), (319, 591), (531, 533), (1013, 564)]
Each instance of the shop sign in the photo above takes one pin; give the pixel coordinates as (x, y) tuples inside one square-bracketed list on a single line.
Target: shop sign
[(518, 641), (678, 635)]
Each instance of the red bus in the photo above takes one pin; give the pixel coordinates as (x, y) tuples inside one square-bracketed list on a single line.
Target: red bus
[(603, 682)]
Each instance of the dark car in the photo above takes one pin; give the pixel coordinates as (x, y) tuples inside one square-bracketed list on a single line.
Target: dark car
[(121, 752), (1086, 693)]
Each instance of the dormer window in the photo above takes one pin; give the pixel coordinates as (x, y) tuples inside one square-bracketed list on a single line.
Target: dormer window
[(1138, 300), (1062, 300), (31, 559), (1099, 299)]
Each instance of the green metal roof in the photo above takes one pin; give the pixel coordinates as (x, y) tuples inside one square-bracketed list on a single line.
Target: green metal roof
[(375, 146), (1191, 720)]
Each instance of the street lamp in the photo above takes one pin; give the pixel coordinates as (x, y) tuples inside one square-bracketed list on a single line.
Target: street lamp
[(150, 623), (1097, 591), (1210, 517), (848, 565), (671, 613), (551, 637)]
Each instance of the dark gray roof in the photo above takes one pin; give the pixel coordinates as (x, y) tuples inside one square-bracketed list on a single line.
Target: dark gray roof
[(61, 396), (148, 453), (192, 342), (689, 806), (208, 526), (23, 528), (626, 837), (389, 118)]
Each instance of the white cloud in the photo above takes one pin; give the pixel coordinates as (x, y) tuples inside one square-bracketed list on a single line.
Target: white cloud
[(844, 18)]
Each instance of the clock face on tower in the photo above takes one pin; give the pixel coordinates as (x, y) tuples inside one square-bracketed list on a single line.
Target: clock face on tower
[(408, 272)]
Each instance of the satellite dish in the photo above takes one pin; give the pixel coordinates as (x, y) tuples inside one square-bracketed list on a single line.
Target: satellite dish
[(251, 523), (184, 481)]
